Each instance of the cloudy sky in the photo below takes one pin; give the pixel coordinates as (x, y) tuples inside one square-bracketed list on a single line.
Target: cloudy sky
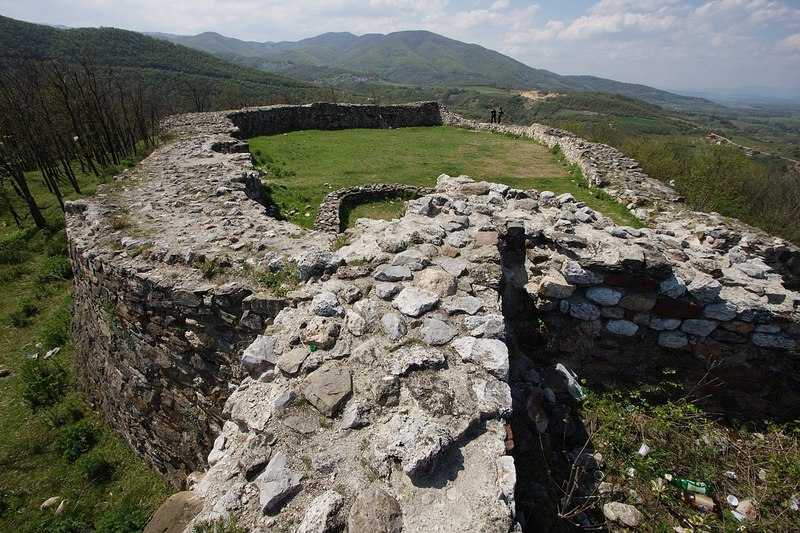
[(670, 44)]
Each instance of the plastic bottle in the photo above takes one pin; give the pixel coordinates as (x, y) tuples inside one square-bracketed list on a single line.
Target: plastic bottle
[(697, 487), (701, 502)]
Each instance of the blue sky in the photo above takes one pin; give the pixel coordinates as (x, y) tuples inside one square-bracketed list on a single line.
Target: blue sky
[(671, 44)]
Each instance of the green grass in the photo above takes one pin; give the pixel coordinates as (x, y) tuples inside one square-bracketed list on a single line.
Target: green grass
[(53, 443), (685, 441), (300, 164)]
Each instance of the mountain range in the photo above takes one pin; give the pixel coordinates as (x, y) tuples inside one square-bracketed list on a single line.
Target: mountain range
[(420, 58)]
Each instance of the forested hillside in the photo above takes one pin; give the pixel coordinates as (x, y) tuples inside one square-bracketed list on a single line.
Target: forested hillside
[(414, 58), (186, 79)]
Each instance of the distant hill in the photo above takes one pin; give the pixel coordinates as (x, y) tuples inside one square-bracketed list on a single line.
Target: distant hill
[(181, 73), (415, 58)]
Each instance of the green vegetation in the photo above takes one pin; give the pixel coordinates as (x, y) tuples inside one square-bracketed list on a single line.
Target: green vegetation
[(683, 440), (321, 161), (185, 79), (54, 444), (282, 280)]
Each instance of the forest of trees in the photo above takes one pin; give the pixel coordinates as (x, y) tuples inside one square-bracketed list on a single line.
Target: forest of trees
[(58, 118)]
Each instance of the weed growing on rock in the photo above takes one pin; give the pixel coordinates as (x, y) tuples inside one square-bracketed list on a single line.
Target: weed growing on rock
[(282, 281), (339, 241), (220, 525)]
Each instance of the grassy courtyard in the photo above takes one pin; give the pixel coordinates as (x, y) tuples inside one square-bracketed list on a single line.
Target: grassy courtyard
[(302, 167)]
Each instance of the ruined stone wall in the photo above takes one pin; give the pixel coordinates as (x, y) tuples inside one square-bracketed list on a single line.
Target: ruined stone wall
[(651, 201), (167, 260), (328, 216), (323, 116), (157, 353), (389, 378)]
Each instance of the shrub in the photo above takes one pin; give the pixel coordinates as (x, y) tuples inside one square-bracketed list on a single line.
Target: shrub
[(25, 309), (125, 519), (13, 250), (55, 331), (44, 382), (55, 268), (94, 467), (65, 412), (75, 440)]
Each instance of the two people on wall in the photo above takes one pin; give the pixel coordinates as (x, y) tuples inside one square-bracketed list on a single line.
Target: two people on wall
[(496, 115)]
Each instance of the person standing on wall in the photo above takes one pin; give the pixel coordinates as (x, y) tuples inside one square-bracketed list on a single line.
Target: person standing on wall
[(500, 115), (493, 116)]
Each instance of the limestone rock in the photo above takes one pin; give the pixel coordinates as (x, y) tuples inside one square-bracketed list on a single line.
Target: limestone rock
[(415, 357), (394, 326), (375, 511), (603, 295), (259, 355), (175, 513), (392, 273), (327, 388), (385, 291), (321, 515), (326, 304), (355, 416), (436, 332), (625, 328), (623, 514), (489, 326), (462, 304), (417, 443), (415, 302), (437, 281), (276, 483), (491, 354), (291, 361), (413, 259), (320, 331)]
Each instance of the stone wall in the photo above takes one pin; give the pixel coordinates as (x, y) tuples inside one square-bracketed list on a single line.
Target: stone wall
[(651, 201), (388, 378), (167, 261), (328, 216), (323, 116), (156, 353)]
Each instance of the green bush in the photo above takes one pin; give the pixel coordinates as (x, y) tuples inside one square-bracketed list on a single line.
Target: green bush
[(65, 412), (94, 467), (44, 382), (125, 519), (75, 440), (14, 250), (50, 523), (25, 309), (55, 268)]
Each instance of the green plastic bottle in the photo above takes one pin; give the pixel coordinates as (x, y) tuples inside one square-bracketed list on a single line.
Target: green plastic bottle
[(697, 487)]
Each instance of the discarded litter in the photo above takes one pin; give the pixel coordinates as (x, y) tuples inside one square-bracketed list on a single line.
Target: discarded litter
[(701, 502), (312, 347), (631, 472), (732, 500), (794, 502), (572, 384), (698, 487), (644, 450), (730, 474)]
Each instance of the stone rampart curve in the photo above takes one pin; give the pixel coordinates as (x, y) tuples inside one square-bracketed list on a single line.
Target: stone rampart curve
[(384, 374), (329, 213)]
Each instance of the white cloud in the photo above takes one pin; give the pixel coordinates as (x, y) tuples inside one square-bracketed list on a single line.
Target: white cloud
[(792, 42)]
